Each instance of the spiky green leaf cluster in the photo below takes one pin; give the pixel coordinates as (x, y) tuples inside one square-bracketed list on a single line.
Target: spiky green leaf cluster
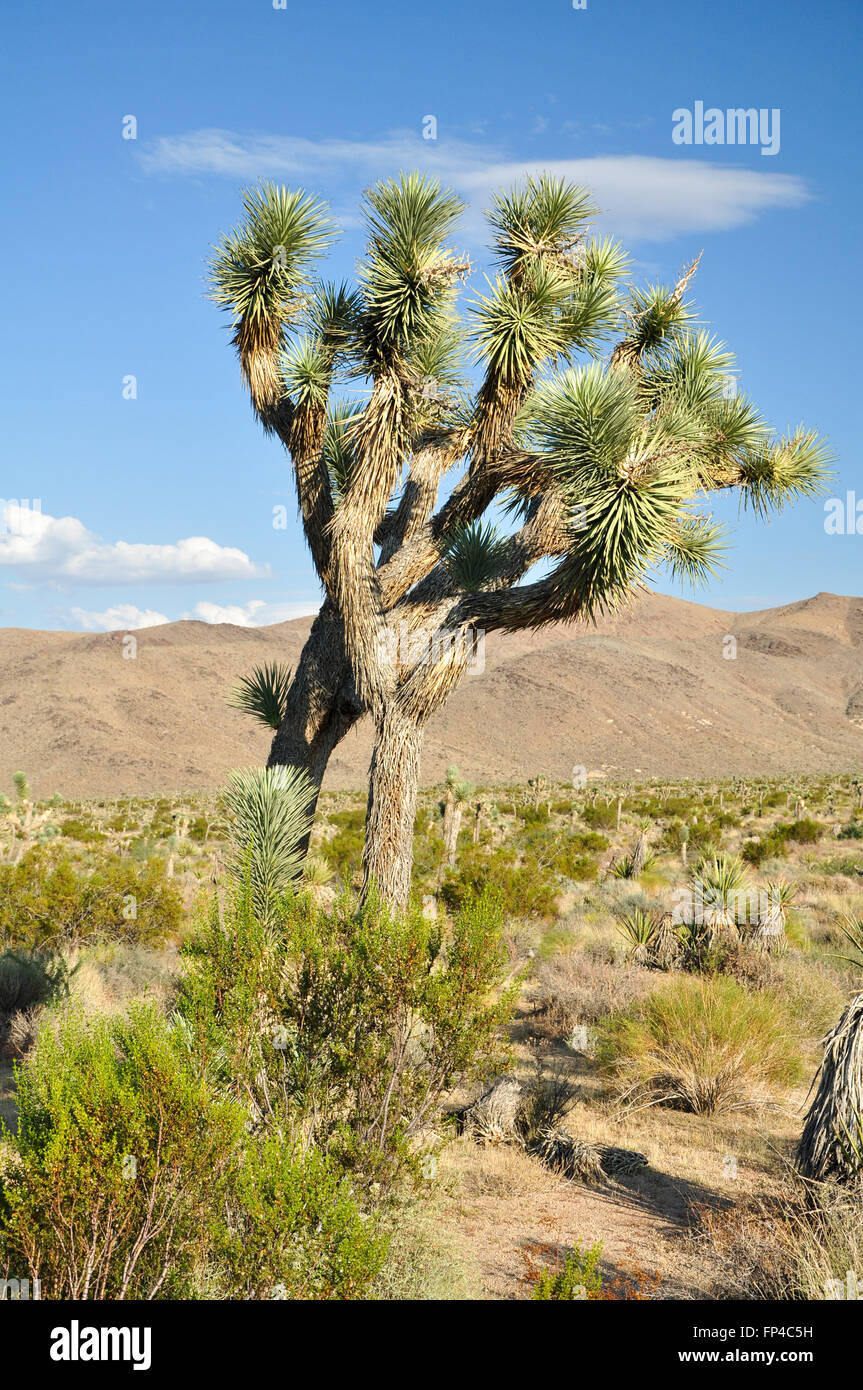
[(268, 817), (264, 693), (260, 268), (408, 271), (556, 292), (473, 554), (339, 448)]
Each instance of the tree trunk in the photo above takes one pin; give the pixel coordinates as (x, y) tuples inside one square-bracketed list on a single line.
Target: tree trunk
[(393, 782), (322, 703), (454, 828)]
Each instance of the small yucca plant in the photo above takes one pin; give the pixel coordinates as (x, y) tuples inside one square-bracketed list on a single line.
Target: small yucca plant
[(317, 871), (268, 819), (639, 930)]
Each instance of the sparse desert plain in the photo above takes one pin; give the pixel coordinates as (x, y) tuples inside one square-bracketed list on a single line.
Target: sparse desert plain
[(634, 1135)]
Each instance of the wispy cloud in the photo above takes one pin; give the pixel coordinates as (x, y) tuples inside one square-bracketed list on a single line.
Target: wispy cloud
[(45, 549), (644, 197)]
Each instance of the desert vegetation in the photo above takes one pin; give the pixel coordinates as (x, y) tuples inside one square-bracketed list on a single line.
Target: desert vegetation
[(541, 1079)]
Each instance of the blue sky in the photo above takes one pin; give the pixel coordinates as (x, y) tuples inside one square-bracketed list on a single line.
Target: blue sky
[(161, 506)]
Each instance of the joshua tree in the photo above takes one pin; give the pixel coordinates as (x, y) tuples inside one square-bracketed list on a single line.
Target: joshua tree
[(604, 466), (537, 785), (27, 826), (458, 794)]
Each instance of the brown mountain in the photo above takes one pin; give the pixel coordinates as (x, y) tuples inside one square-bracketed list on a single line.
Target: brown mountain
[(656, 691)]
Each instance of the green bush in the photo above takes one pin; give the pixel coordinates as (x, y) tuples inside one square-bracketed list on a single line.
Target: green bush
[(773, 845), (345, 850), (580, 1278), (600, 817), (528, 889), (294, 1229), (803, 832), (350, 1027), (120, 1164), (28, 978), (82, 832), (46, 901)]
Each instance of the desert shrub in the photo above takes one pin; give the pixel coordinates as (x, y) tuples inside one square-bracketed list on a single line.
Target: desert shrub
[(704, 1045), (845, 865), (813, 994), (853, 831), (545, 1101), (600, 817), (580, 1278), (31, 977), (528, 889), (345, 849), (574, 857), (46, 902), (119, 1165), (773, 845), (775, 798), (582, 988), (803, 832), (786, 1247), (422, 1263), (704, 836), (533, 815), (429, 854), (348, 1027), (199, 829), (294, 1230), (82, 832)]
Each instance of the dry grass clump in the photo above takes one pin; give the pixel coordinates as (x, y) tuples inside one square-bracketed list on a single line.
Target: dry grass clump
[(802, 1245), (752, 1245), (813, 993), (498, 1172), (423, 1264), (108, 977), (583, 987), (703, 1045)]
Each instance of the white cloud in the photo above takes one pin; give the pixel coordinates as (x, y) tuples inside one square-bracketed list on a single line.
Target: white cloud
[(46, 548), (256, 613), (123, 616), (643, 197)]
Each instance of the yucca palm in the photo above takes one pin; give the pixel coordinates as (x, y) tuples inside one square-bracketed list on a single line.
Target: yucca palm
[(600, 421)]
